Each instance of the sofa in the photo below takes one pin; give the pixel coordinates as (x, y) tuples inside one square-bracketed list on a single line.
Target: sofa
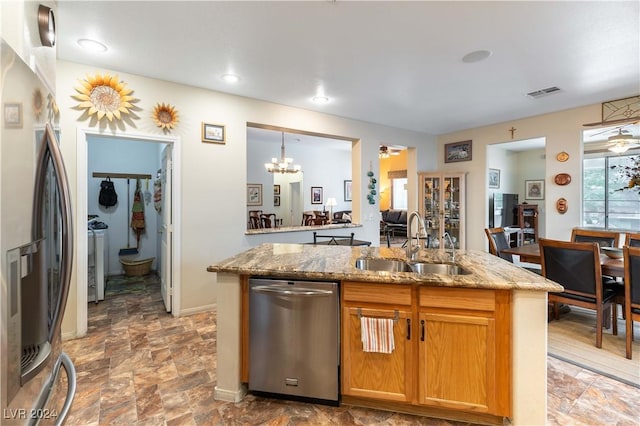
[(394, 217), (342, 216)]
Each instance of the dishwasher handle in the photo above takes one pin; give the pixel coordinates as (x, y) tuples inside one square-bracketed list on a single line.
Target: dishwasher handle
[(291, 291)]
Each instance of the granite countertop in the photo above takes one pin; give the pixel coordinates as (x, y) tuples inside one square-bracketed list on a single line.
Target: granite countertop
[(306, 228), (306, 261)]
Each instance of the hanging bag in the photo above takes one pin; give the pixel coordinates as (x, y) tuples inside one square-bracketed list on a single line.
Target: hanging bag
[(108, 196)]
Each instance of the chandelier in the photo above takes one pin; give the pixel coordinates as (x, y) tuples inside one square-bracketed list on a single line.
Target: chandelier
[(621, 142), (284, 164)]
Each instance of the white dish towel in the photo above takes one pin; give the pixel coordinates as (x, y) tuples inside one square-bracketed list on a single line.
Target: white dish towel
[(377, 335)]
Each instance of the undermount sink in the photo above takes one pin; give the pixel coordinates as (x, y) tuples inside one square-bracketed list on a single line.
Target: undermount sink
[(387, 265), (397, 265), (438, 268)]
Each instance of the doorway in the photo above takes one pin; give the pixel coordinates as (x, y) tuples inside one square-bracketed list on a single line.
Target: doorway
[(83, 139)]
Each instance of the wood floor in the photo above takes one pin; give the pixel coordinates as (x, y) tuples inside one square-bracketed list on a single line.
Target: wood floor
[(140, 366)]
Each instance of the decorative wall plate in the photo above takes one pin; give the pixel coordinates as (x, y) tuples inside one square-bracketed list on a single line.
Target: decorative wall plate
[(561, 205), (562, 156), (562, 179)]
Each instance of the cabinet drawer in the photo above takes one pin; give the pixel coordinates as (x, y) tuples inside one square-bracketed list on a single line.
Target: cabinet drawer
[(391, 294), (467, 298)]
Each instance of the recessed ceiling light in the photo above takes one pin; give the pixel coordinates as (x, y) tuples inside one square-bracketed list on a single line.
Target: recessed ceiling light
[(320, 99), (230, 78), (92, 45), (476, 56)]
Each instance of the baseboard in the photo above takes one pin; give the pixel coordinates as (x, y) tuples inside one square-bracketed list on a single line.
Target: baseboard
[(229, 395), (199, 309), (69, 336)]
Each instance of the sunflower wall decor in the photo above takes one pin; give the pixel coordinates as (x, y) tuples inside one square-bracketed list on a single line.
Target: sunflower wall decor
[(105, 96), (165, 116)]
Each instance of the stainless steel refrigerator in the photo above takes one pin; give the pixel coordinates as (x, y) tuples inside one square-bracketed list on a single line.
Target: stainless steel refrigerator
[(37, 380)]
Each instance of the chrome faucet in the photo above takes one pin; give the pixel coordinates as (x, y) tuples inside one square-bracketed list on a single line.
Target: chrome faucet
[(412, 250), (445, 237)]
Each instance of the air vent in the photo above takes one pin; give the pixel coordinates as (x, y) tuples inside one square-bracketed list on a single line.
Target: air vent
[(543, 92)]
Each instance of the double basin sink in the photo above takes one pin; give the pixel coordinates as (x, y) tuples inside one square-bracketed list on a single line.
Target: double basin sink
[(398, 265)]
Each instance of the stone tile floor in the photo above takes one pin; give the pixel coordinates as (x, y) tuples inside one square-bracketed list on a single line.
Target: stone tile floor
[(139, 365)]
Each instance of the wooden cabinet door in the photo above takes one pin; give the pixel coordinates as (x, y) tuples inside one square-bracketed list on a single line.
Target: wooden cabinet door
[(377, 375), (457, 360)]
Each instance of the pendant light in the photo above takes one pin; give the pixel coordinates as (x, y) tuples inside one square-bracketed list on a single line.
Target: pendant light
[(284, 164)]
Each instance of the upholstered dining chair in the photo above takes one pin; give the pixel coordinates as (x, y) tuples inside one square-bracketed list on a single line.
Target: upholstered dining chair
[(603, 238), (498, 241), (576, 266), (631, 291), (632, 239)]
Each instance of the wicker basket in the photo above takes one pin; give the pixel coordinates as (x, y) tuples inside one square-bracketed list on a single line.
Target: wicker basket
[(137, 268)]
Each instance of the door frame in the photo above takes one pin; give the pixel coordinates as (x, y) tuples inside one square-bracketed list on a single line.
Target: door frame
[(80, 240)]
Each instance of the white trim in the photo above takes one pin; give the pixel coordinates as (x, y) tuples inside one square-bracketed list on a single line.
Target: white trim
[(81, 210), (199, 309), (229, 395)]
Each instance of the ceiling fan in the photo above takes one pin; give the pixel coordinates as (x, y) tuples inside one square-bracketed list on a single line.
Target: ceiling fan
[(386, 152), (621, 141)]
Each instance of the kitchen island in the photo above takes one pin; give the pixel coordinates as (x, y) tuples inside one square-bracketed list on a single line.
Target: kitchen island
[(498, 308)]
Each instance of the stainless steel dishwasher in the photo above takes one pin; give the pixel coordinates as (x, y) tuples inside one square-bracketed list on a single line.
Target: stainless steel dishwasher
[(294, 339)]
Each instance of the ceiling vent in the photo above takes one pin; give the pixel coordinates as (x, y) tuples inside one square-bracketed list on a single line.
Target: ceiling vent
[(543, 92)]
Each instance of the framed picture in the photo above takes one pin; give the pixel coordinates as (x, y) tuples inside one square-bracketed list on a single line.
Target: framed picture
[(13, 115), (457, 151), (316, 195), (494, 178), (276, 190), (254, 194), (276, 201), (347, 190), (213, 133), (534, 189)]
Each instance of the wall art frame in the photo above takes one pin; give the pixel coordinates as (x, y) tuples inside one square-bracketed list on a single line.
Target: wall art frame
[(254, 194), (213, 133), (276, 189), (12, 115), (494, 178), (457, 151), (347, 190), (316, 195), (276, 201), (534, 189)]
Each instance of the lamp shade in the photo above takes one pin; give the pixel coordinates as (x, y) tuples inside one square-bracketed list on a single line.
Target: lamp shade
[(331, 202)]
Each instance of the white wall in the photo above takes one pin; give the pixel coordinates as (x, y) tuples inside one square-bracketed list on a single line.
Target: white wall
[(563, 132), (108, 155), (214, 176)]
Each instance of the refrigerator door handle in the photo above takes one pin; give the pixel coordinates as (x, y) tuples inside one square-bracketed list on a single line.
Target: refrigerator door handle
[(71, 389)]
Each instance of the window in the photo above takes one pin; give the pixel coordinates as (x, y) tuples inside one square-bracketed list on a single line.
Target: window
[(399, 193), (603, 204)]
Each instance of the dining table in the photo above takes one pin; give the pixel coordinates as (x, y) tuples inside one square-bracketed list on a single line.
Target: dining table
[(530, 253)]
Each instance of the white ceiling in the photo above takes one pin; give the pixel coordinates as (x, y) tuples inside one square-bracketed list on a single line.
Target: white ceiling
[(394, 63)]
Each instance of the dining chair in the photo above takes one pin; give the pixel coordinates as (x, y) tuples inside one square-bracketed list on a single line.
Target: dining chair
[(603, 238), (632, 239), (576, 266), (498, 241), (268, 220), (631, 291)]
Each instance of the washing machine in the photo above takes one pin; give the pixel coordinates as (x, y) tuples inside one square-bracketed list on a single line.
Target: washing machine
[(97, 248)]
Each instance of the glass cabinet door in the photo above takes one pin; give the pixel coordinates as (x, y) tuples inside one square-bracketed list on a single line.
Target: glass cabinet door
[(442, 204), (431, 208)]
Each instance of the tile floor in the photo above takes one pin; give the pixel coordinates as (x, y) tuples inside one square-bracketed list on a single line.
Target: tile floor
[(139, 365)]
